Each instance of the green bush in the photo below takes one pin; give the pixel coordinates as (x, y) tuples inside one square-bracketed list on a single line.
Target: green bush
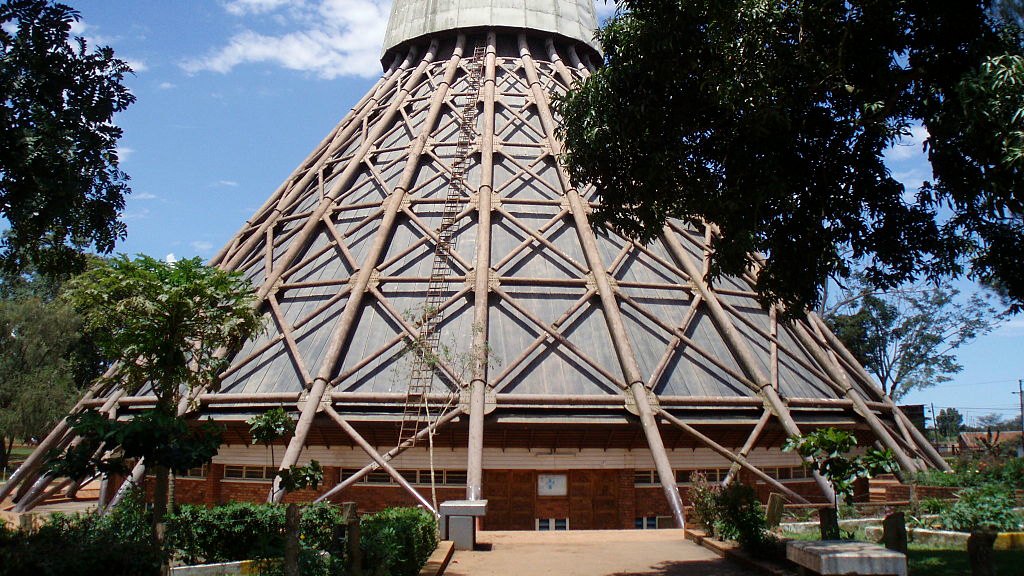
[(933, 506), (704, 499), (741, 516), (246, 531), (397, 541), (84, 545), (989, 506), (235, 531), (977, 471)]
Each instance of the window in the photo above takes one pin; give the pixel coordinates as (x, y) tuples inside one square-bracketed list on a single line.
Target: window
[(547, 524), (645, 478), (250, 472), (453, 477), (378, 477), (200, 472), (412, 476), (647, 523)]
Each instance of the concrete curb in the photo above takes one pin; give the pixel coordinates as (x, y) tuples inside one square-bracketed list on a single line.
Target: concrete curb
[(439, 559), (1004, 541), (221, 569), (732, 551)]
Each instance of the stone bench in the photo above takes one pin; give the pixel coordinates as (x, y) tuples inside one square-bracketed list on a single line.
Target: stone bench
[(843, 557)]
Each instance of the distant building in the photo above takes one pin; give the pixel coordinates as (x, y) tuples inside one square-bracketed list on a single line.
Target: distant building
[(975, 441)]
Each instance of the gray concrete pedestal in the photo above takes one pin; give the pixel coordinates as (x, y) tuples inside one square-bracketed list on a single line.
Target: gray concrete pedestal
[(458, 521)]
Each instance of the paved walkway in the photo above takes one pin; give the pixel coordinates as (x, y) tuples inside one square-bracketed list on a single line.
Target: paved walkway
[(589, 553)]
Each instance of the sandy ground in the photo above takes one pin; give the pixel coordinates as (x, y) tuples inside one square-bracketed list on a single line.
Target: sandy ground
[(590, 553)]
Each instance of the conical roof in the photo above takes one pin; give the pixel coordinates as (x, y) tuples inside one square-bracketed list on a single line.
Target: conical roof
[(441, 193)]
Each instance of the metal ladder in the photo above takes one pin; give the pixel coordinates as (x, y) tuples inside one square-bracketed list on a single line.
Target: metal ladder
[(427, 346)]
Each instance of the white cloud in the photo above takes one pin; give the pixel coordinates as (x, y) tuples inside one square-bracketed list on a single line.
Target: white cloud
[(605, 8), (136, 65), (124, 153), (166, 85), (328, 38), (144, 196), (225, 184), (78, 28), (170, 258), (140, 214), (201, 246), (909, 146), (1013, 328), (243, 7)]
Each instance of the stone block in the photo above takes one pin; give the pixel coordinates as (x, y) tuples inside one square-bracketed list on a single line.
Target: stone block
[(773, 511), (846, 557), (894, 532)]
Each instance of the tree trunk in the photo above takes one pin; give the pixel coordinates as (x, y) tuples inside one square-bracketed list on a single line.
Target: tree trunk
[(291, 540), (170, 493), (979, 551), (828, 523), (6, 447), (160, 490)]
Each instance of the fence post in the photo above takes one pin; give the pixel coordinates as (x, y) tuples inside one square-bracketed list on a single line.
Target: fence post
[(355, 551), (291, 540)]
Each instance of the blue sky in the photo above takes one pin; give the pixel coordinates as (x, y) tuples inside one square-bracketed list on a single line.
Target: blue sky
[(233, 94)]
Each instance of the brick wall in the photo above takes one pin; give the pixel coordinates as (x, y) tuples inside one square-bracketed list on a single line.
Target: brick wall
[(633, 501), (898, 492)]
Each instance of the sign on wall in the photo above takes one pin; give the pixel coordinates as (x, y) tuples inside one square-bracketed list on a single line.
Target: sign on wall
[(552, 485)]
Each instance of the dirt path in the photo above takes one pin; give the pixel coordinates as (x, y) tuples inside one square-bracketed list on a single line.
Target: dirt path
[(589, 553)]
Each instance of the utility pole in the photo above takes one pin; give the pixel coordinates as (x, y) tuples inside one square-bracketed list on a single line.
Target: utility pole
[(1020, 393), (935, 427)]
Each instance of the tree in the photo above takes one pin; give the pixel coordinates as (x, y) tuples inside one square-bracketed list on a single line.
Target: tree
[(907, 338), (996, 422), (166, 325), (36, 375), (949, 422), (828, 449), (61, 190), (771, 120)]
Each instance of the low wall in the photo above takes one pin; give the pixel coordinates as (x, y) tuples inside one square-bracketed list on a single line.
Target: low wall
[(909, 492)]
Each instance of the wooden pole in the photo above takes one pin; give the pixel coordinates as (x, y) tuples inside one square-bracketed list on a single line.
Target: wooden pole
[(391, 454), (740, 349), (748, 446), (609, 306), (841, 384), (737, 459), (481, 286), (353, 306), (930, 452), (372, 453)]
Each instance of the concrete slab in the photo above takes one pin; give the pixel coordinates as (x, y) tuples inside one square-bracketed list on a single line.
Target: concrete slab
[(589, 553), (846, 557)]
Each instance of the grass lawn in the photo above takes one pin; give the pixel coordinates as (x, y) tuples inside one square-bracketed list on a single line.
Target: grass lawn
[(18, 455), (924, 561)]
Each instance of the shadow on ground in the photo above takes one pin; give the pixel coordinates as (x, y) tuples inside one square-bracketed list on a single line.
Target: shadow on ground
[(718, 567)]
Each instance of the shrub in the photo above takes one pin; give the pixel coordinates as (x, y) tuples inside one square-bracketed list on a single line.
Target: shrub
[(933, 506), (235, 531), (984, 507), (971, 471), (741, 516), (704, 499), (244, 531), (397, 541), (84, 545)]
